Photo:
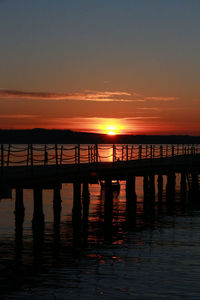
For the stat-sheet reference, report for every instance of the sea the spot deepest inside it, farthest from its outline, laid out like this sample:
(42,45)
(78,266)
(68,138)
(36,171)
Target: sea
(155,257)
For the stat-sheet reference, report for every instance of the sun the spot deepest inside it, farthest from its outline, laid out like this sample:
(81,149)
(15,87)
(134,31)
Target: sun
(111,129)
(111,132)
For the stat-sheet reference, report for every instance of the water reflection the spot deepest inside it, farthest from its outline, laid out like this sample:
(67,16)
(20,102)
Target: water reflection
(110,234)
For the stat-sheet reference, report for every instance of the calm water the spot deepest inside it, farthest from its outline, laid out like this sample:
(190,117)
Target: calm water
(156,257)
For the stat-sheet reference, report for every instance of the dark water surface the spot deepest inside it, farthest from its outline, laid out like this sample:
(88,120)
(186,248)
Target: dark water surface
(157,256)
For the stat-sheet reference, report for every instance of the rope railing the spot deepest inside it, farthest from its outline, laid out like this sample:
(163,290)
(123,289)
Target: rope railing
(31,155)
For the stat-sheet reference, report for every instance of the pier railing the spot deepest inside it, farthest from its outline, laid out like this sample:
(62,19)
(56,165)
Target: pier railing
(31,155)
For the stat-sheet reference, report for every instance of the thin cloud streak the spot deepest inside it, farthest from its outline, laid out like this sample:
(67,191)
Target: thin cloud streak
(87,95)
(84,96)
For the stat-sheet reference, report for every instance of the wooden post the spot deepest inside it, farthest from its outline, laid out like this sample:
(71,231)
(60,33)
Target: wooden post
(89,158)
(19,204)
(122,153)
(161,151)
(131,152)
(108,209)
(45,155)
(183,187)
(78,154)
(140,152)
(57,210)
(146,151)
(114,154)
(2,156)
(75,154)
(127,152)
(151,151)
(177,148)
(97,153)
(31,155)
(56,153)
(172,150)
(61,154)
(160,188)
(27,159)
(167,151)
(38,215)
(8,158)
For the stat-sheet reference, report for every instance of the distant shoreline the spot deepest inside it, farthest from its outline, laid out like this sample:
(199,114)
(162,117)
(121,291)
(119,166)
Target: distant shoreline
(51,136)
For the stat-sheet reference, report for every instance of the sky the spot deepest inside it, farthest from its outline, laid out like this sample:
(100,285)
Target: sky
(106,66)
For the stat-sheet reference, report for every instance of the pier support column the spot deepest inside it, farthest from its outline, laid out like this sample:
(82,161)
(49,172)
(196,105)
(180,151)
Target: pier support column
(149,195)
(145,187)
(183,187)
(76,214)
(131,200)
(57,211)
(160,188)
(194,194)
(38,225)
(38,215)
(86,204)
(152,189)
(19,219)
(170,189)
(108,210)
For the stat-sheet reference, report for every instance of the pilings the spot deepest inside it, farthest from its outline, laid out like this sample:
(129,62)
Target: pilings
(19,220)
(108,209)
(149,194)
(160,188)
(38,215)
(131,201)
(170,189)
(57,213)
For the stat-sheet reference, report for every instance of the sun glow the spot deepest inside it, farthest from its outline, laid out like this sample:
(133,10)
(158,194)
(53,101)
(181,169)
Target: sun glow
(111,132)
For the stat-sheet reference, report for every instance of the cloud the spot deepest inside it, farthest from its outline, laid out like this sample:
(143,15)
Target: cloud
(17,116)
(87,95)
(162,98)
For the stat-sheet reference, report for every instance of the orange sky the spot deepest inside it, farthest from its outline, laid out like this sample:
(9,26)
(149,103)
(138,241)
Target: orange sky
(123,66)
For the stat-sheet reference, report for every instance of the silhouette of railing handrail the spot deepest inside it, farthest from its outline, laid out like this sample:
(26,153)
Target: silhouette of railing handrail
(31,155)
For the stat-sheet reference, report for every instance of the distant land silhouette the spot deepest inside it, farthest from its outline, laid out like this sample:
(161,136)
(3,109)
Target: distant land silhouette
(51,136)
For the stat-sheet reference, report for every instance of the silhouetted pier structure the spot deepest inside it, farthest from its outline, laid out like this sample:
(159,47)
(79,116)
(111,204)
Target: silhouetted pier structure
(40,167)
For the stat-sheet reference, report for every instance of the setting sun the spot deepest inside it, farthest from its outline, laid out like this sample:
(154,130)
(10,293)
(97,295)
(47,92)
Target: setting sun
(111,132)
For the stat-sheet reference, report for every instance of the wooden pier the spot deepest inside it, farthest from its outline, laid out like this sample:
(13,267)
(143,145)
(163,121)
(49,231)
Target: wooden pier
(48,167)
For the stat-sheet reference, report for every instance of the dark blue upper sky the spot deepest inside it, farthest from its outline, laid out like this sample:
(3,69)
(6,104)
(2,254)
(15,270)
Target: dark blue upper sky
(149,47)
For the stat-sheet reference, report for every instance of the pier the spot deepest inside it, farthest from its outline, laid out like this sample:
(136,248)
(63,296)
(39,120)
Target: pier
(40,167)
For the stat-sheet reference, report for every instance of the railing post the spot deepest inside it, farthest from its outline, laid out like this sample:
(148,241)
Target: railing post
(56,153)
(114,154)
(97,153)
(31,155)
(140,152)
(151,151)
(177,148)
(122,153)
(166,150)
(131,152)
(61,154)
(75,154)
(89,158)
(161,151)
(8,158)
(45,155)
(126,152)
(78,154)
(2,156)
(146,151)
(172,150)
(27,159)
